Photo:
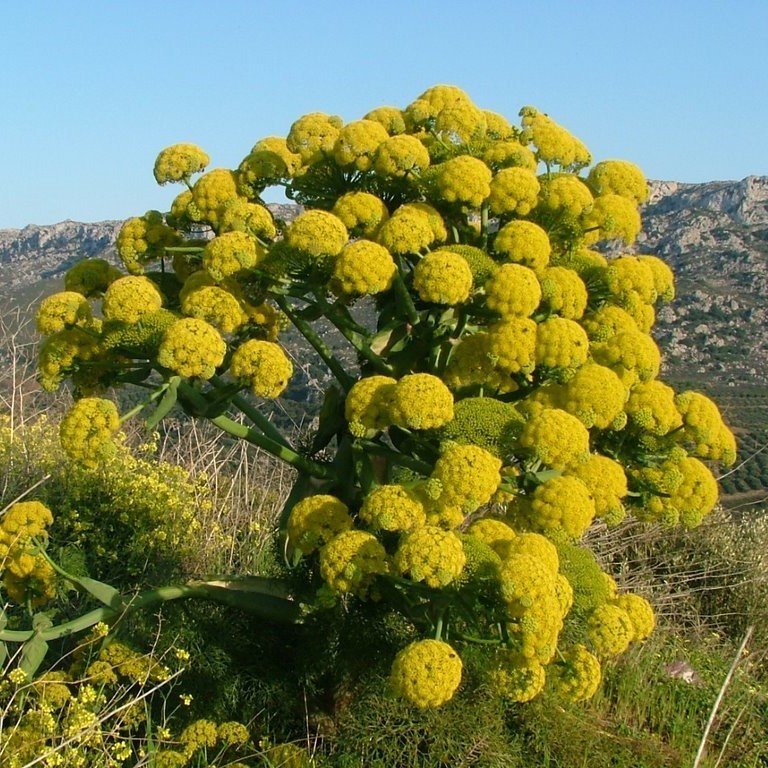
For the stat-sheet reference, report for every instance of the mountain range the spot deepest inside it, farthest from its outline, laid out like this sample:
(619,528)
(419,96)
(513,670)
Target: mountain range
(714,334)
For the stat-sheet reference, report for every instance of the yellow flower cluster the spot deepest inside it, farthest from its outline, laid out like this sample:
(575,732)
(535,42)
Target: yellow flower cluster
(316,520)
(361,213)
(410,229)
(391,118)
(461,123)
(143,239)
(610,630)
(512,345)
(516,678)
(262,366)
(212,191)
(651,408)
(368,404)
(681,491)
(577,675)
(497,534)
(703,426)
(350,562)
(178,162)
(87,431)
(524,243)
(191,347)
(442,277)
(393,508)
(313,135)
(238,215)
(596,396)
(420,401)
(607,482)
(618,177)
(606,322)
(357,143)
(563,292)
(556,438)
(663,277)
(514,191)
(561,503)
(400,157)
(231,254)
(467,475)
(63,310)
(565,195)
(318,234)
(464,180)
(215,306)
(631,354)
(561,343)
(431,555)
(363,268)
(269,162)
(509,154)
(130,298)
(513,291)
(426,673)
(612,217)
(554,144)
(61,353)
(640,613)
(27,575)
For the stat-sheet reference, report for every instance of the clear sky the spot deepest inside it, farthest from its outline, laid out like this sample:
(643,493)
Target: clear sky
(90,91)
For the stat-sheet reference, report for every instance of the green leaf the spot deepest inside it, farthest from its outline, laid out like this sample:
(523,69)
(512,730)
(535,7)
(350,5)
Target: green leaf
(391,334)
(166,403)
(3,619)
(3,654)
(104,593)
(546,474)
(32,655)
(265,597)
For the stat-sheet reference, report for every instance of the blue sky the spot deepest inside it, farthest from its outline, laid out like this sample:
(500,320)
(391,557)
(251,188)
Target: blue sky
(91,91)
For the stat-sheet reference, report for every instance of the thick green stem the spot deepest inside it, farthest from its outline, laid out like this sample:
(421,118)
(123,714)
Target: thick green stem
(255,415)
(158,393)
(353,337)
(269,600)
(484,224)
(322,349)
(288,455)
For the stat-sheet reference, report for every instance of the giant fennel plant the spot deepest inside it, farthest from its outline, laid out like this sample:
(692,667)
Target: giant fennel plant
(504,400)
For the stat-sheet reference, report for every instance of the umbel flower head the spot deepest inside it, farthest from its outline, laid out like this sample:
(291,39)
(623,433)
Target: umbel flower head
(87,431)
(426,673)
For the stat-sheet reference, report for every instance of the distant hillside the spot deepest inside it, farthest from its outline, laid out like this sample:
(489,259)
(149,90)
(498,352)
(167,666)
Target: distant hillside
(714,335)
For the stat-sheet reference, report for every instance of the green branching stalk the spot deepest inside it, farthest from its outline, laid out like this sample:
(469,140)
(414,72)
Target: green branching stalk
(267,598)
(156,395)
(354,337)
(322,349)
(280,451)
(254,414)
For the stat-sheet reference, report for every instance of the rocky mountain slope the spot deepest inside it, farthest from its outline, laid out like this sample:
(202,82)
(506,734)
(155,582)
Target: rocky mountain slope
(714,335)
